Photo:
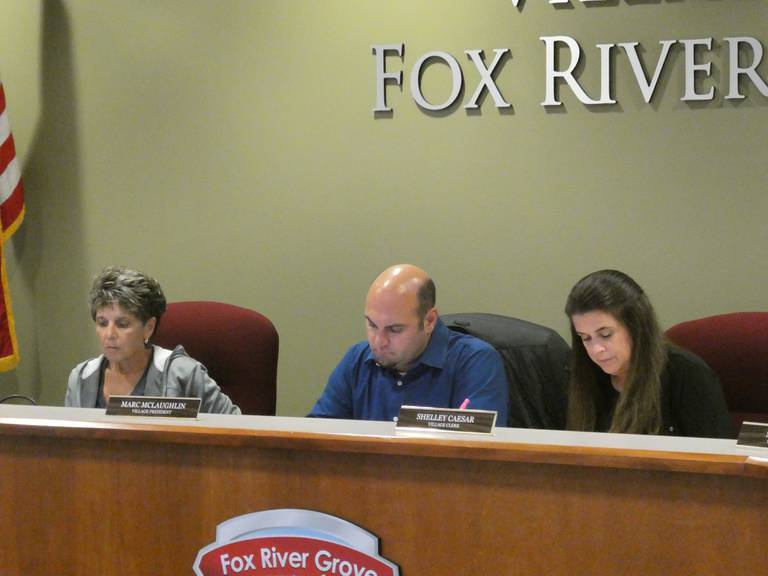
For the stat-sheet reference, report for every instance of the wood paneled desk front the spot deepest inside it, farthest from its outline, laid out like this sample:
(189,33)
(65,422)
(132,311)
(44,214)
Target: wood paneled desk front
(82,493)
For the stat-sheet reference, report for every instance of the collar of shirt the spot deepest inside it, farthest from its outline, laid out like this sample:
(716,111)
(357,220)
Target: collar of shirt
(436,351)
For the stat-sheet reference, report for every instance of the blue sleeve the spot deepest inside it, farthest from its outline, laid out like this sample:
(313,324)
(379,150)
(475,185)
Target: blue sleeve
(483,380)
(336,399)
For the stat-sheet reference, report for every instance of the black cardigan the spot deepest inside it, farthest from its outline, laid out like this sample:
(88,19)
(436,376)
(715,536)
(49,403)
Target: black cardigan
(692,401)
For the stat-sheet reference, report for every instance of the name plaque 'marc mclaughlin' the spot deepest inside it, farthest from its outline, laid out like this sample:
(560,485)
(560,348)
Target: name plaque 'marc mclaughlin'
(292,542)
(153,406)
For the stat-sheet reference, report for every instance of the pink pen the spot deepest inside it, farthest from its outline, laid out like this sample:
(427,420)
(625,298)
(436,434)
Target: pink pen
(464,404)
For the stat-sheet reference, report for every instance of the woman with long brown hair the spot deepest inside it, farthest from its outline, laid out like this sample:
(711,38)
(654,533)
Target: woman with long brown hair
(625,377)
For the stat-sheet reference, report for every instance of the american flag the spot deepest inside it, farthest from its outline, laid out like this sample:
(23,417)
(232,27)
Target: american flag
(11,215)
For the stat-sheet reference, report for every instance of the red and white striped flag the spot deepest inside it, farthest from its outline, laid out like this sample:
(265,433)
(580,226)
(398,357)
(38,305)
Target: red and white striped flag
(11,215)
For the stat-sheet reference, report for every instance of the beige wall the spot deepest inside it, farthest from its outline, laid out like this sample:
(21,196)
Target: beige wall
(229,148)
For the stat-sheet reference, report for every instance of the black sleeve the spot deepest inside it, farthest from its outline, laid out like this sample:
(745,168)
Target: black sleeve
(697,403)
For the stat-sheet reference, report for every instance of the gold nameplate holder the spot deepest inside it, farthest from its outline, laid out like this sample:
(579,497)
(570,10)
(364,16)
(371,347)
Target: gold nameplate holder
(753,434)
(153,406)
(420,420)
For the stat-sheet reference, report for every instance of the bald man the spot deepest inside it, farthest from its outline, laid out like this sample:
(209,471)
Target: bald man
(411,358)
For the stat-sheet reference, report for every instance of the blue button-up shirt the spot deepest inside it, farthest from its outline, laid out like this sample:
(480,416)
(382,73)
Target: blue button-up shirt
(452,368)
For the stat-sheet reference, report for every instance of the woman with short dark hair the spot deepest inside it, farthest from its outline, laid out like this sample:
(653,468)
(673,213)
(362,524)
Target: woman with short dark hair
(625,377)
(126,307)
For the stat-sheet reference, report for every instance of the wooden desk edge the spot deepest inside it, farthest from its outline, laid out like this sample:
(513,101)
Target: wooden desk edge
(699,463)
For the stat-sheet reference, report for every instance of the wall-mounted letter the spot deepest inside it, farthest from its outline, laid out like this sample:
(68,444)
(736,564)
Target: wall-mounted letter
(751,70)
(647,88)
(380,52)
(486,77)
(691,68)
(456,75)
(551,74)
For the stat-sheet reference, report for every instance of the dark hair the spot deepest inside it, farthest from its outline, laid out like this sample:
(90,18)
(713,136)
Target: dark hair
(638,409)
(427,296)
(134,291)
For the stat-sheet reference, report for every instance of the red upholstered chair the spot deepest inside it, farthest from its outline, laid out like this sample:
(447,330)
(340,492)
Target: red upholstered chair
(736,347)
(238,346)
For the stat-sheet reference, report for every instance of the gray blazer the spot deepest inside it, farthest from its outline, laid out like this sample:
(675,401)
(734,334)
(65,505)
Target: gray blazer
(173,373)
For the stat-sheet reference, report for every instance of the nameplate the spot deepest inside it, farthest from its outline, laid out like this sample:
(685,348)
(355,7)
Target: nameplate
(753,434)
(439,420)
(153,406)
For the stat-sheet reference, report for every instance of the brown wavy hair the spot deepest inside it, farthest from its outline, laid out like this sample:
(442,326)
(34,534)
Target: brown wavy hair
(134,291)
